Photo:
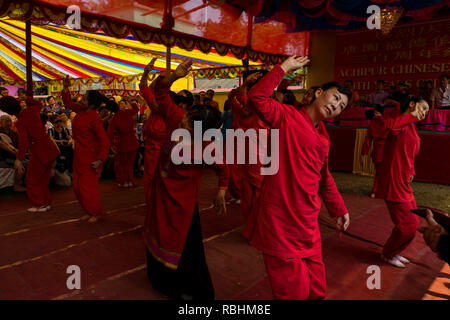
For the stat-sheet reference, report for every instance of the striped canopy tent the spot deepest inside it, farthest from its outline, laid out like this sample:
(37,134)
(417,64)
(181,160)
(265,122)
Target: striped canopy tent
(117,38)
(59,51)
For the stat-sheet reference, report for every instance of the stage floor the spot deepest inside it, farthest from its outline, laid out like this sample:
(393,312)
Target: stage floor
(36,249)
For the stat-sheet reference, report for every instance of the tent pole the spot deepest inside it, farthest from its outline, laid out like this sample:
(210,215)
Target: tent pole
(168,57)
(29,60)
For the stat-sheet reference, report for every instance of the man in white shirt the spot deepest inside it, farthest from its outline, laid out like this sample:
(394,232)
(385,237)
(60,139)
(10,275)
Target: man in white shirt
(440,98)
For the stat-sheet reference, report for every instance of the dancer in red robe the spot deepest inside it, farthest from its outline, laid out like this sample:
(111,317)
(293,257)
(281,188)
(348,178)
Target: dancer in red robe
(251,178)
(90,150)
(176,262)
(396,172)
(43,152)
(287,230)
(122,127)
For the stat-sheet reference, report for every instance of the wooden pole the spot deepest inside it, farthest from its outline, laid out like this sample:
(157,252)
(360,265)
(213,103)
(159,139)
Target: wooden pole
(168,57)
(29,60)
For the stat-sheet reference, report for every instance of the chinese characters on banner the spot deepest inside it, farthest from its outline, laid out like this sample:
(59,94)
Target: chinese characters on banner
(412,54)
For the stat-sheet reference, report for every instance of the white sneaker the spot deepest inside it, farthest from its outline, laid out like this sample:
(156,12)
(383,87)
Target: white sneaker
(372,195)
(39,209)
(393,261)
(126,185)
(44,208)
(402,259)
(238,201)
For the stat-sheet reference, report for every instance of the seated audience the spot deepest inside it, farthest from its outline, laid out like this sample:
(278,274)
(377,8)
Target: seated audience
(9,143)
(440,98)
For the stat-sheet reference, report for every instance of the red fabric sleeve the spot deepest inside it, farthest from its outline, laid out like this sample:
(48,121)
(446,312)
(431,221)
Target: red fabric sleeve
(223,172)
(34,104)
(23,141)
(268,109)
(394,124)
(148,95)
(100,132)
(171,113)
(69,104)
(330,194)
(283,85)
(241,97)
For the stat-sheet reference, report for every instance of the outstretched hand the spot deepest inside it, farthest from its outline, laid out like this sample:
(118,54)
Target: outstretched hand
(220,203)
(343,222)
(293,63)
(183,69)
(149,67)
(432,234)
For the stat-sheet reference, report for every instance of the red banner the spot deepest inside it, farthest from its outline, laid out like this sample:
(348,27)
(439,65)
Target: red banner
(411,53)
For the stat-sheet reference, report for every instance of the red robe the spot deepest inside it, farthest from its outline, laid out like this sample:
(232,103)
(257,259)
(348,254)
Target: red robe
(290,203)
(287,223)
(174,191)
(251,180)
(377,133)
(91,144)
(395,171)
(43,151)
(121,126)
(401,148)
(155,135)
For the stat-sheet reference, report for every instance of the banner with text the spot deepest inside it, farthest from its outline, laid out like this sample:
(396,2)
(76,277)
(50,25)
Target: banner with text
(413,54)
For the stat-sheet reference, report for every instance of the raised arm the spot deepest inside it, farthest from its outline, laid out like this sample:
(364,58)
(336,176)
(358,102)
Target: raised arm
(67,99)
(400,121)
(269,109)
(149,67)
(171,113)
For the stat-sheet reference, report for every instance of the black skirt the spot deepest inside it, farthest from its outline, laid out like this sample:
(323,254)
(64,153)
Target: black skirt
(191,280)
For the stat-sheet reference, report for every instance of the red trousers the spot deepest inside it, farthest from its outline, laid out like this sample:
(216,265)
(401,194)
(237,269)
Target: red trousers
(123,166)
(406,224)
(249,206)
(234,185)
(375,179)
(85,187)
(296,278)
(37,180)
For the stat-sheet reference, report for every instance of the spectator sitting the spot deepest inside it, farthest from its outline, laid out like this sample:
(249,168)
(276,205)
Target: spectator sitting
(440,98)
(9,143)
(52,108)
(3,92)
(61,136)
